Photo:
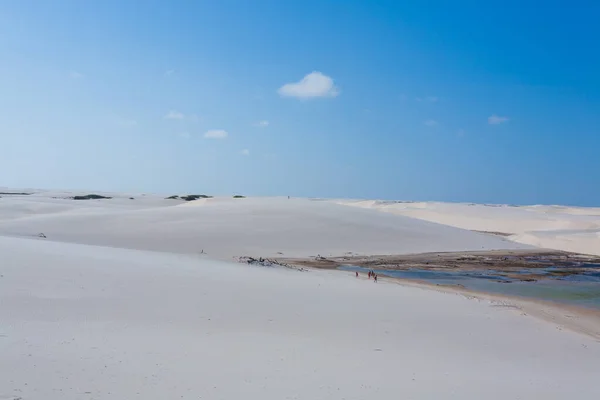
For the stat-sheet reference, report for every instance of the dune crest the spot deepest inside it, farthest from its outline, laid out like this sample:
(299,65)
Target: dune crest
(574,229)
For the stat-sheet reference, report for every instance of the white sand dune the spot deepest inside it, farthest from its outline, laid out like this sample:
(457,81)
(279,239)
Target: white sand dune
(79,321)
(225,228)
(86,322)
(575,229)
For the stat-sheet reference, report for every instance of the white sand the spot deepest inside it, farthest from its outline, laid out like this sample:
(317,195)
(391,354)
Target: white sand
(575,229)
(226,227)
(90,322)
(81,322)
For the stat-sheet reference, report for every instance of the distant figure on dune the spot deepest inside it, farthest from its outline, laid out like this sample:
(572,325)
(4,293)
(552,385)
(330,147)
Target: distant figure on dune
(375,277)
(357,274)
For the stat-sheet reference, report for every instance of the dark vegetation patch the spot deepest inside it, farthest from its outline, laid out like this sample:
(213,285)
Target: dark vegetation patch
(239,196)
(189,197)
(89,197)
(15,194)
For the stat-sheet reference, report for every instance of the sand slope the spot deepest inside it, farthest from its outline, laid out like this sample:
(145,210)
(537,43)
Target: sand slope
(85,322)
(575,229)
(226,227)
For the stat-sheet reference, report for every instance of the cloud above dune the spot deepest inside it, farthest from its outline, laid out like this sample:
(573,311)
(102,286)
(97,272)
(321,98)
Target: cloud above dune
(313,85)
(179,116)
(262,124)
(216,134)
(245,152)
(174,115)
(497,120)
(128,122)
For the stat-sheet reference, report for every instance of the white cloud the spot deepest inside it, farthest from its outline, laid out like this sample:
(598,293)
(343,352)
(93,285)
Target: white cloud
(497,120)
(174,115)
(312,85)
(129,122)
(170,72)
(262,124)
(185,135)
(428,99)
(245,152)
(216,134)
(76,75)
(430,122)
(123,121)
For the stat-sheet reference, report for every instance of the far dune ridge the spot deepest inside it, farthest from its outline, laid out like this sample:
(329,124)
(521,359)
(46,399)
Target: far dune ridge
(233,227)
(574,229)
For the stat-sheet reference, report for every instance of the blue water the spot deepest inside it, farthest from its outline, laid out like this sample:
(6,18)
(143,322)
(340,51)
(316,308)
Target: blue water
(581,289)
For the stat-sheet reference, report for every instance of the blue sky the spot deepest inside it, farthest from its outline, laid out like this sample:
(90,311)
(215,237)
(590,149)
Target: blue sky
(451,101)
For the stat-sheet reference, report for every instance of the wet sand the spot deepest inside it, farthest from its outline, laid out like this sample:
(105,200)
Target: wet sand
(507,263)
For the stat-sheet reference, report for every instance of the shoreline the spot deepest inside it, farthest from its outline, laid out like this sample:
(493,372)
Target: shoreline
(464,260)
(577,318)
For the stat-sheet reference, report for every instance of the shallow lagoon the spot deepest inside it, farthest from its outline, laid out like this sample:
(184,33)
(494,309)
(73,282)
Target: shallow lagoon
(579,289)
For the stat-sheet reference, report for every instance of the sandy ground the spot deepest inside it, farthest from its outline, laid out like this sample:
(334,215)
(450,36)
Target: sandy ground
(80,320)
(574,229)
(102,323)
(224,227)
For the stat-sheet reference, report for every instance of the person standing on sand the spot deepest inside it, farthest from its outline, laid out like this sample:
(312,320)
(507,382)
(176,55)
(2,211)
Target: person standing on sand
(375,277)
(357,274)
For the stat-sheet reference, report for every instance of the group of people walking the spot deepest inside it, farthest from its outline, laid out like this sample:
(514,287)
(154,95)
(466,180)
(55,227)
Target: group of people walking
(371,274)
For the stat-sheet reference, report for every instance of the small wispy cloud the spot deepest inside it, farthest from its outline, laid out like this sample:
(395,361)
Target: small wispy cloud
(245,152)
(121,121)
(185,135)
(128,122)
(216,134)
(428,99)
(174,115)
(497,120)
(76,75)
(315,84)
(430,122)
(262,124)
(170,72)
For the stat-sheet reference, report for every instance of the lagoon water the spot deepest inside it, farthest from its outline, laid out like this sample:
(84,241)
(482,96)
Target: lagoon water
(580,289)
